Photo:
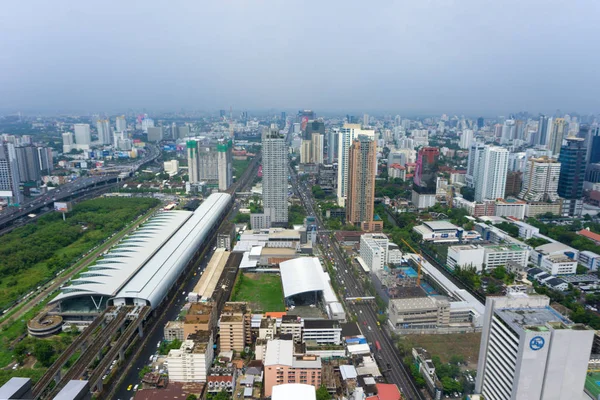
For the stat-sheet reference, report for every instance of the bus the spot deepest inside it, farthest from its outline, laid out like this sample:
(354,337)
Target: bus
(377,345)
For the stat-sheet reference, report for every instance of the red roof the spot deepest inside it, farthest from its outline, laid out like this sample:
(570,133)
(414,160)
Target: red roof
(388,391)
(590,235)
(219,378)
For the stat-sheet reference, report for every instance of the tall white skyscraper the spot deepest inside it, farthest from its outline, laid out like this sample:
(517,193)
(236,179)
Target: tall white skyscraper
(103,127)
(67,138)
(508,131)
(9,174)
(557,131)
(275,175)
(147,123)
(490,175)
(473,163)
(317,148)
(121,124)
(224,163)
(466,138)
(540,180)
(348,133)
(366,121)
(83,135)
(530,351)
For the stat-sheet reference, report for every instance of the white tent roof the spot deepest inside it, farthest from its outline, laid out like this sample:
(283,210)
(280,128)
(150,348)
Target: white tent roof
(301,275)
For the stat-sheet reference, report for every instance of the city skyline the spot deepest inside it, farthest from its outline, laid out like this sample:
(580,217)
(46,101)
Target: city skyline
(416,58)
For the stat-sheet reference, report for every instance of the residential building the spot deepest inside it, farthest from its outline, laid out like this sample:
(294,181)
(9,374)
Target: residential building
(322,332)
(490,178)
(234,324)
(155,134)
(28,163)
(374,250)
(491,256)
(540,181)
(317,145)
(203,161)
(224,164)
(291,325)
(362,164)
(419,312)
(282,366)
(425,178)
(475,151)
(120,124)
(200,317)
(147,123)
(556,133)
(67,139)
(542,131)
(332,145)
(275,176)
(348,133)
(305,152)
(572,175)
(530,351)
(83,136)
(514,180)
(104,134)
(466,138)
(174,330)
(192,361)
(9,174)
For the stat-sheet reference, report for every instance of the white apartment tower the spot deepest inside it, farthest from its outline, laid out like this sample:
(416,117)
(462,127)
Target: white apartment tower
(466,138)
(224,163)
(317,148)
(103,127)
(347,134)
(121,124)
(373,250)
(67,138)
(9,174)
(490,175)
(529,351)
(82,134)
(475,150)
(275,174)
(540,180)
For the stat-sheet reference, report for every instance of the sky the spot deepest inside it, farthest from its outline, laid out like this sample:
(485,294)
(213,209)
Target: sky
(471,57)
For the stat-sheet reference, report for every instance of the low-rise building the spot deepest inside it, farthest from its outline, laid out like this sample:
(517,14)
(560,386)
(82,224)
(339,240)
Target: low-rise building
(510,208)
(439,232)
(291,325)
(174,330)
(419,312)
(589,260)
(322,332)
(491,256)
(200,317)
(191,362)
(559,265)
(540,254)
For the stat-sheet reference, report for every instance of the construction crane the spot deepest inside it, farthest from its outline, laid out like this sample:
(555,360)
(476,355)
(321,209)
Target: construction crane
(419,263)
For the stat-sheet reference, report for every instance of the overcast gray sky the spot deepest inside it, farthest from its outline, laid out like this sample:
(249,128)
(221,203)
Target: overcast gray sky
(419,56)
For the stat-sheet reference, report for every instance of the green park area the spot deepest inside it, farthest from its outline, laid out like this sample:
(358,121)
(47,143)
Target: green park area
(450,347)
(262,291)
(240,166)
(592,383)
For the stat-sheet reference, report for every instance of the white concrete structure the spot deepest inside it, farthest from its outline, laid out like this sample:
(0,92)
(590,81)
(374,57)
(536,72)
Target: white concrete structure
(540,180)
(348,133)
(171,167)
(322,332)
(492,256)
(465,256)
(510,208)
(83,135)
(439,231)
(275,175)
(589,260)
(550,257)
(373,250)
(466,138)
(104,135)
(490,175)
(120,124)
(475,151)
(559,265)
(317,146)
(67,138)
(530,351)
(191,362)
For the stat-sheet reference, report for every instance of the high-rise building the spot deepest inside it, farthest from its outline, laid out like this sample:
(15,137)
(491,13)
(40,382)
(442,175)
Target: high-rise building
(29,163)
(542,132)
(508,131)
(83,136)
(45,159)
(275,175)
(366,121)
(332,145)
(121,124)
(184,132)
(490,176)
(530,351)
(593,145)
(103,127)
(348,133)
(174,131)
(155,134)
(305,150)
(67,138)
(425,179)
(466,138)
(572,174)
(317,148)
(480,123)
(473,162)
(147,123)
(224,163)
(235,327)
(362,167)
(540,181)
(514,180)
(556,135)
(192,154)
(9,174)
(315,126)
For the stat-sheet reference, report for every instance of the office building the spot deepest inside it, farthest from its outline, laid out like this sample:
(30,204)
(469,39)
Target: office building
(593,145)
(542,131)
(282,366)
(322,332)
(376,251)
(492,256)
(315,126)
(9,174)
(425,179)
(275,175)
(508,131)
(305,152)
(422,312)
(530,351)
(572,174)
(348,133)
(332,145)
(147,123)
(466,138)
(235,329)
(490,175)
(480,123)
(83,136)
(514,180)
(67,139)
(556,133)
(120,124)
(317,148)
(540,181)
(475,151)
(224,163)
(362,168)
(155,134)
(104,134)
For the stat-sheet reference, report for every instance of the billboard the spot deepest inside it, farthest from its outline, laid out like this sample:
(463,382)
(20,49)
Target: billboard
(62,207)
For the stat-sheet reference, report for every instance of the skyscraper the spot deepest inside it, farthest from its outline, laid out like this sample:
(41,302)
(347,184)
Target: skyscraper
(480,123)
(530,351)
(362,166)
(540,181)
(542,132)
(29,163)
(490,175)
(275,174)
(315,126)
(67,138)
(305,152)
(473,162)
(556,135)
(508,131)
(366,121)
(192,154)
(120,124)
(593,145)
(9,174)
(348,133)
(224,163)
(103,127)
(332,145)
(425,179)
(83,137)
(572,175)
(466,138)
(317,148)
(155,134)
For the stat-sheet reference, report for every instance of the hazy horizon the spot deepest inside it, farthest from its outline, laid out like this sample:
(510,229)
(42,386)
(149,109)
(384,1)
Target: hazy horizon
(415,58)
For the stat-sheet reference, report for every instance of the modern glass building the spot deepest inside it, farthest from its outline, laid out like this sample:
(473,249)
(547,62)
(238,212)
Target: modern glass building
(572,174)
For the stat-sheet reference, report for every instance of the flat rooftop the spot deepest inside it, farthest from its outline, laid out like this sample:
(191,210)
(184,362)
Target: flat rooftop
(504,247)
(521,319)
(440,225)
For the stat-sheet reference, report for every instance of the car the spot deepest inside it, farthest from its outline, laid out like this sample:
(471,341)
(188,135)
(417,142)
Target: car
(369,328)
(129,387)
(135,387)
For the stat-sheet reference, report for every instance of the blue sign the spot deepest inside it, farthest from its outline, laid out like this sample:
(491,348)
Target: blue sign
(536,343)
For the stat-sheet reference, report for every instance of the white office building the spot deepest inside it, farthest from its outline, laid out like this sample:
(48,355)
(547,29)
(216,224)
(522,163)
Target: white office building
(490,175)
(83,136)
(373,250)
(529,351)
(348,133)
(275,174)
(466,138)
(492,256)
(540,180)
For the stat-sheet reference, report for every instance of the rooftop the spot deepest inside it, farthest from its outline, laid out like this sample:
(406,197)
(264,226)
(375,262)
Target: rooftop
(440,225)
(321,324)
(521,319)
(589,234)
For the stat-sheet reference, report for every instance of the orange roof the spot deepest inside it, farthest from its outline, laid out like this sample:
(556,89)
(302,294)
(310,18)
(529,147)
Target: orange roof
(590,235)
(219,378)
(388,391)
(275,314)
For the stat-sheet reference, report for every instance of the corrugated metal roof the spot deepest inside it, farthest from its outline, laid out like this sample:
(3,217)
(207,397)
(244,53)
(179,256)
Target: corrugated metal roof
(301,275)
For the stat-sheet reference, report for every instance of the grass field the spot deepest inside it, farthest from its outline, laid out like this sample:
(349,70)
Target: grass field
(263,291)
(591,384)
(446,346)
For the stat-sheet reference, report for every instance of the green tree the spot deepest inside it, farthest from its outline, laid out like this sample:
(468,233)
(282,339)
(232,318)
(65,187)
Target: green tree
(322,393)
(191,397)
(44,352)
(146,369)
(20,351)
